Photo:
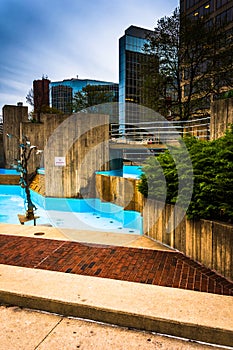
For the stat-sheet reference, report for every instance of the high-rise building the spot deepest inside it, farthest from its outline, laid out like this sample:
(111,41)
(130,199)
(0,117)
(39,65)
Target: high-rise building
(40,94)
(62,92)
(61,98)
(219,12)
(131,59)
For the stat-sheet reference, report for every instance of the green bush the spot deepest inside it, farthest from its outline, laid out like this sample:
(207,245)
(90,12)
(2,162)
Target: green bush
(212,163)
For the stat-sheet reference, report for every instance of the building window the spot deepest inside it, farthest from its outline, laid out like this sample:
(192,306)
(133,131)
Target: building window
(225,17)
(204,10)
(220,3)
(191,3)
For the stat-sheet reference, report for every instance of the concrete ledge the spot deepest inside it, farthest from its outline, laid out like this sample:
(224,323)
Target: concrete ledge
(9,179)
(193,315)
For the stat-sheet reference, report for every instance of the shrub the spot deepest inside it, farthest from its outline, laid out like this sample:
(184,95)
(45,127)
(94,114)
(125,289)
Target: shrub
(212,163)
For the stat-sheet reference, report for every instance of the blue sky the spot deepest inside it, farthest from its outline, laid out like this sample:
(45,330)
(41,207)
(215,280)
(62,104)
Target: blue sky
(66,38)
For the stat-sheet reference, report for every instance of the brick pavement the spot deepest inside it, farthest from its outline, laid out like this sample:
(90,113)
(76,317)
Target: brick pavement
(163,268)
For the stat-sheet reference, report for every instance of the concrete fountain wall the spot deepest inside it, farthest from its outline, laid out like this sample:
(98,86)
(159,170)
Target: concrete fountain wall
(81,140)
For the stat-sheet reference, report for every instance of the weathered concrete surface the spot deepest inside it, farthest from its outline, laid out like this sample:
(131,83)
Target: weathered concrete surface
(96,237)
(221,117)
(24,329)
(9,179)
(12,117)
(193,315)
(206,241)
(120,191)
(82,140)
(1,151)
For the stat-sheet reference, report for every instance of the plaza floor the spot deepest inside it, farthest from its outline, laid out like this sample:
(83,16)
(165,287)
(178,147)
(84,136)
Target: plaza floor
(148,266)
(126,280)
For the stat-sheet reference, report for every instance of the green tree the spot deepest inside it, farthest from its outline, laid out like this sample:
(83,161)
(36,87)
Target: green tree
(212,162)
(160,180)
(35,117)
(213,174)
(194,63)
(167,176)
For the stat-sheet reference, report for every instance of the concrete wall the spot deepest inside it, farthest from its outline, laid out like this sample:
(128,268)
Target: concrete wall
(35,133)
(119,190)
(12,117)
(82,141)
(198,129)
(209,242)
(221,117)
(2,163)
(38,184)
(39,134)
(16,123)
(9,179)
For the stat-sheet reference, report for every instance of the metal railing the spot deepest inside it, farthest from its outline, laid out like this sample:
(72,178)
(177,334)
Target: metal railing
(159,131)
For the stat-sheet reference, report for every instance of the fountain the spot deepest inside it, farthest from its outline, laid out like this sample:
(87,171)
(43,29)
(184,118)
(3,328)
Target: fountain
(26,150)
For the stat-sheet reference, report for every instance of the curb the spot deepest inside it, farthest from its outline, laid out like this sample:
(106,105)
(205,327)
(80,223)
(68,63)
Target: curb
(126,304)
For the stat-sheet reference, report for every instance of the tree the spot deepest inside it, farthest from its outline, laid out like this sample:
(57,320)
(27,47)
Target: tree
(194,64)
(167,177)
(30,98)
(213,174)
(212,162)
(43,109)
(92,95)
(151,83)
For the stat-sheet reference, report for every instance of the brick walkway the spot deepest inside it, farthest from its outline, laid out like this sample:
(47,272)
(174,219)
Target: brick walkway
(163,268)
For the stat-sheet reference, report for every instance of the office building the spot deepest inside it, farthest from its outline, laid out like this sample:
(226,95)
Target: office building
(62,92)
(219,12)
(61,98)
(131,60)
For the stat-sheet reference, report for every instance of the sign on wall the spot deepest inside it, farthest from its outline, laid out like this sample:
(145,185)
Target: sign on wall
(60,161)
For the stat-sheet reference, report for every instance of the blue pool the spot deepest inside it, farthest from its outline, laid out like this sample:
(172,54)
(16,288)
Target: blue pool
(80,214)
(8,172)
(129,171)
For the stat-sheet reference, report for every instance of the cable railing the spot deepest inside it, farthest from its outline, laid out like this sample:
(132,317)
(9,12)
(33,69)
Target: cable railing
(160,131)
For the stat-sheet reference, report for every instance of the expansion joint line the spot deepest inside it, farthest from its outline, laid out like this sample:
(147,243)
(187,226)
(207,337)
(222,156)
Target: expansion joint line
(43,260)
(48,334)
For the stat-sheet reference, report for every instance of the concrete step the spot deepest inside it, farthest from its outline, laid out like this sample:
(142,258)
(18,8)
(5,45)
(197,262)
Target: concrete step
(199,316)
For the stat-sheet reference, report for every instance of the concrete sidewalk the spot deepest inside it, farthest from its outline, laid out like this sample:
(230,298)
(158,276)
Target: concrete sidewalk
(95,237)
(188,314)
(25,329)
(199,316)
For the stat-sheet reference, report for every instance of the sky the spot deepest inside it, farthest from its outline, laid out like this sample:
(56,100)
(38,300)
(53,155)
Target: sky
(63,39)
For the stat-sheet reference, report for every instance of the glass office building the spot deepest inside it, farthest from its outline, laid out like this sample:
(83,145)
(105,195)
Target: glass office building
(61,97)
(131,56)
(62,92)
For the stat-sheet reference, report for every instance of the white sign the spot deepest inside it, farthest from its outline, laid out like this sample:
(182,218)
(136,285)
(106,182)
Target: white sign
(60,161)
